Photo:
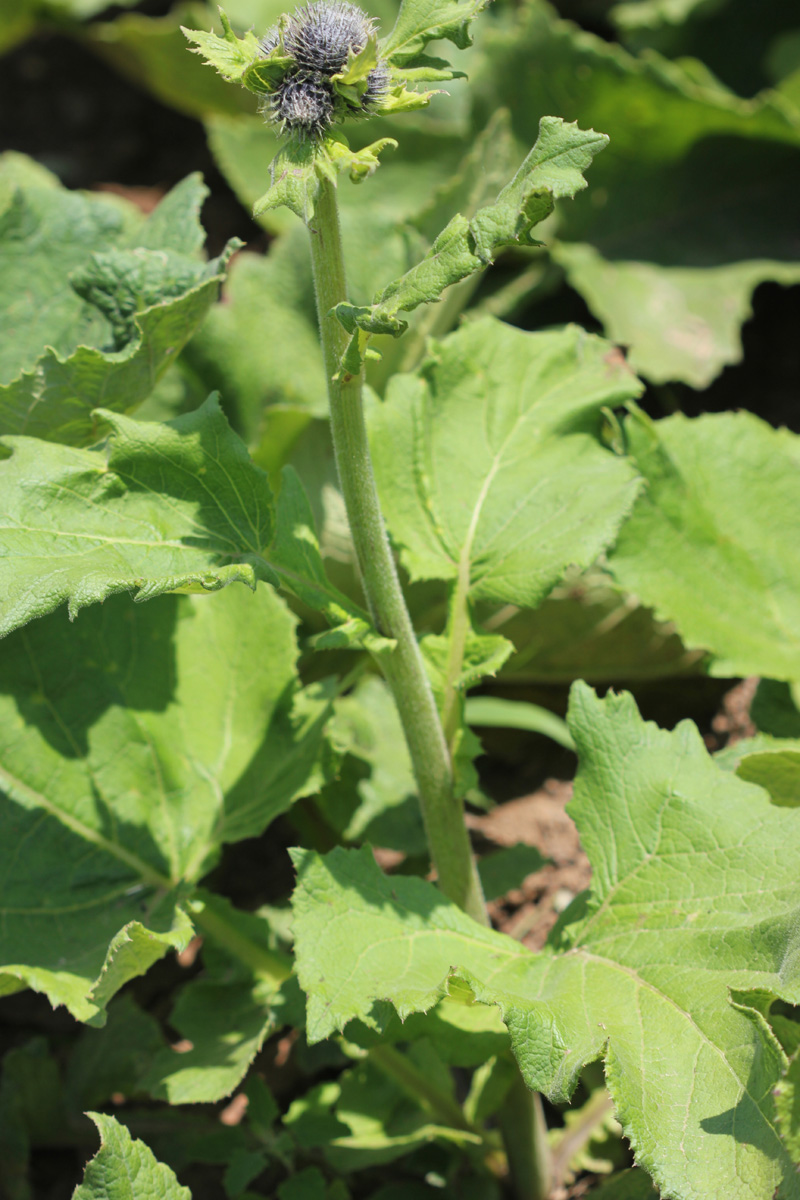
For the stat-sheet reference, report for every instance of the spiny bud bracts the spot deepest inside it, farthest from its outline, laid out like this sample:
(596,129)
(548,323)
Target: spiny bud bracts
(319,38)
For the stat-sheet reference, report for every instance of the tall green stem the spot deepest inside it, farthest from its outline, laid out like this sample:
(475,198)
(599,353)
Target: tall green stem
(403,668)
(524,1132)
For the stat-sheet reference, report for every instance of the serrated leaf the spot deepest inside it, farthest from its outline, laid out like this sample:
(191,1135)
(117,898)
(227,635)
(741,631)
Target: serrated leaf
(487,463)
(125,1169)
(133,745)
(231,56)
(422,21)
(553,169)
(694,906)
(162,508)
(95,303)
(712,550)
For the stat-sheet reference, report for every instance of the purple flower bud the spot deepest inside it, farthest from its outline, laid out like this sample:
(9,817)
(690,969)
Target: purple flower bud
(319,38)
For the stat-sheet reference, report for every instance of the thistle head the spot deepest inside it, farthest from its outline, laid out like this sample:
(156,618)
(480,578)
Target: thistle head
(317,42)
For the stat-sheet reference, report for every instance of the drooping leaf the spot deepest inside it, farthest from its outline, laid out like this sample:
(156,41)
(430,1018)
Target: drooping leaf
(133,745)
(497,712)
(695,178)
(553,170)
(503,870)
(95,303)
(775,708)
(161,508)
(224,1015)
(713,549)
(659,971)
(126,1169)
(681,323)
(374,795)
(487,462)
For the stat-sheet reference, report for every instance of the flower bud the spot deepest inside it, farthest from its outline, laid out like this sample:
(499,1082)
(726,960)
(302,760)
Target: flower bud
(319,39)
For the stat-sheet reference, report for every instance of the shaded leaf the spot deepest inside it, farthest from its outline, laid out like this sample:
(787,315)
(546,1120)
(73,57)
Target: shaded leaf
(681,323)
(504,870)
(695,178)
(131,750)
(95,303)
(787,1104)
(161,508)
(775,708)
(374,796)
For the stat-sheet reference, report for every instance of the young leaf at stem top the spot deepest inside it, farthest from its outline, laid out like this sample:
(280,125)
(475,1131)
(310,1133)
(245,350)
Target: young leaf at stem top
(553,170)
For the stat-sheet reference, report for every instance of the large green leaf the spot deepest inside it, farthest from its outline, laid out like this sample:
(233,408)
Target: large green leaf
(95,303)
(125,1169)
(659,971)
(225,1014)
(489,462)
(694,177)
(711,542)
(680,322)
(133,745)
(162,508)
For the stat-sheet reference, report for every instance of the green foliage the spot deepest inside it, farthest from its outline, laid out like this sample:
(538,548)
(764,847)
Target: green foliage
(636,974)
(114,299)
(165,433)
(704,546)
(124,1169)
(490,424)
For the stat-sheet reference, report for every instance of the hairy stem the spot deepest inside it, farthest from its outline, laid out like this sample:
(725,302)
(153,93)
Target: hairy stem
(403,668)
(524,1132)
